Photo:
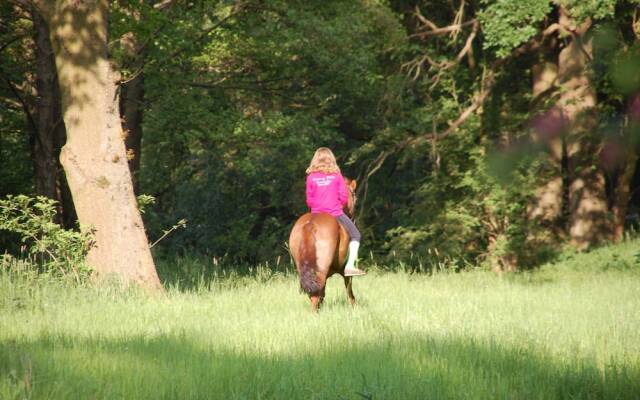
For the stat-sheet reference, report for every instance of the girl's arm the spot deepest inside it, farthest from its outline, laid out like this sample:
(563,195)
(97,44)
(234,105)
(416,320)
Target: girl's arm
(343,193)
(310,192)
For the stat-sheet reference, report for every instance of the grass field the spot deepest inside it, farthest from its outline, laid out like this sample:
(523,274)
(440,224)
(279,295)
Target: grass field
(570,330)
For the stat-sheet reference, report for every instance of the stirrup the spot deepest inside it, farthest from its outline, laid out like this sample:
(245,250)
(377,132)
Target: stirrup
(353,272)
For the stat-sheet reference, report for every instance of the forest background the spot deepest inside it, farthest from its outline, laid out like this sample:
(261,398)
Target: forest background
(490,133)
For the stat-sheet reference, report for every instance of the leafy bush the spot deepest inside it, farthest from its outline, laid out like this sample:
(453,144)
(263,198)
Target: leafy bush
(49,246)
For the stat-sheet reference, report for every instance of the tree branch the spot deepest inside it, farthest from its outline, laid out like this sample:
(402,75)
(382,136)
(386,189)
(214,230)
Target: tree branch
(468,46)
(431,29)
(22,3)
(23,102)
(237,9)
(415,66)
(488,82)
(11,41)
(487,85)
(164,4)
(436,31)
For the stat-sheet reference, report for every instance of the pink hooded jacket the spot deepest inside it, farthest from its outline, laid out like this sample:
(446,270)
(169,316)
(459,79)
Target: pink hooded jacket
(326,193)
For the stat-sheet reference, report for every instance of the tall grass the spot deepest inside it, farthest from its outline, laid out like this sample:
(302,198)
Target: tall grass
(570,330)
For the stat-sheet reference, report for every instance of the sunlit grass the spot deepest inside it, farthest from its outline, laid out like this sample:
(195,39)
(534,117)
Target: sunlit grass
(570,330)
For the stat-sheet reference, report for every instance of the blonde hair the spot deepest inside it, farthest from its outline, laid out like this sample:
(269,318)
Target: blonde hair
(323,161)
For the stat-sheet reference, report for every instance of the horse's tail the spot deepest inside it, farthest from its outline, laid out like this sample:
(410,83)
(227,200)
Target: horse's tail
(308,261)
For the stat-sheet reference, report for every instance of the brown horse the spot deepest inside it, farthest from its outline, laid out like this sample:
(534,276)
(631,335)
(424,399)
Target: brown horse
(318,244)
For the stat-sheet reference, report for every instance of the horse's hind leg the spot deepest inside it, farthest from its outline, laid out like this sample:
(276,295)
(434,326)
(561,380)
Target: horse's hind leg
(348,283)
(316,302)
(318,298)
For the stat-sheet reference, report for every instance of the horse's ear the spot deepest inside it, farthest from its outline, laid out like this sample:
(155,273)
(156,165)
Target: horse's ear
(353,184)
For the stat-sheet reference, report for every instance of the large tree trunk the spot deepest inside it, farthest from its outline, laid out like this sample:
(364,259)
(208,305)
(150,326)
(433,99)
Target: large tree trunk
(622,194)
(548,130)
(47,112)
(589,221)
(94,157)
(623,157)
(49,134)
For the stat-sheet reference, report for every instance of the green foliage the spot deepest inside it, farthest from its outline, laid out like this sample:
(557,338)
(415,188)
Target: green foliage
(16,172)
(486,219)
(144,200)
(227,142)
(506,24)
(620,258)
(624,70)
(47,245)
(239,94)
(14,152)
(593,9)
(465,196)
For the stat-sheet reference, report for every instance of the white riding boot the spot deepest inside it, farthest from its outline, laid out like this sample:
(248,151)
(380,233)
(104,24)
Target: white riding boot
(350,268)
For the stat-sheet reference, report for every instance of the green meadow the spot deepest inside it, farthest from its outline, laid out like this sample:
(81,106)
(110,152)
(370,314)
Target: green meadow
(570,330)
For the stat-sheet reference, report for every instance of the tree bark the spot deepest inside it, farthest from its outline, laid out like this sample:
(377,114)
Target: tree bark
(589,221)
(623,194)
(548,130)
(94,157)
(47,112)
(49,132)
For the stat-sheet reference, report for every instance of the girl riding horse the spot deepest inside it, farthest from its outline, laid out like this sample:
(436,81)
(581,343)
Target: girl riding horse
(327,193)
(319,240)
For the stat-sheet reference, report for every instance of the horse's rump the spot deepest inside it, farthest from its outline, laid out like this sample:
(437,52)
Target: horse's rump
(313,242)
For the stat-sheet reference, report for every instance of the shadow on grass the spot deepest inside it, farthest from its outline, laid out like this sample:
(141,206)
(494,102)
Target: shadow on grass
(400,367)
